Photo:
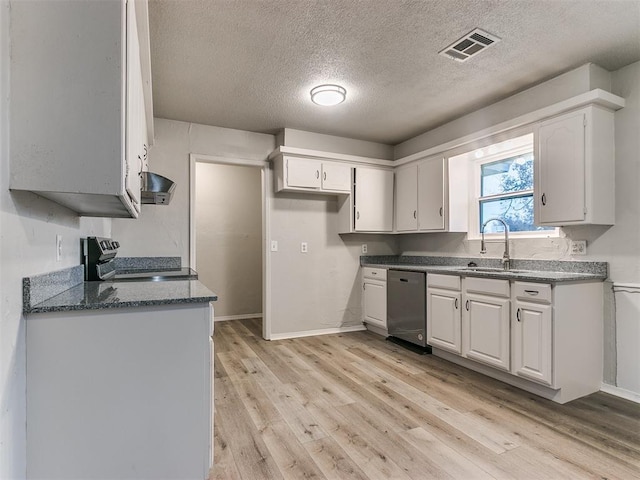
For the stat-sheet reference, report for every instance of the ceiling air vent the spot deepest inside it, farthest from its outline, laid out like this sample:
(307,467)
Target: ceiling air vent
(470,45)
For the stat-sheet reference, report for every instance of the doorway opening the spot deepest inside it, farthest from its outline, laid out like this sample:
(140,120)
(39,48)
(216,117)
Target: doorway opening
(228,222)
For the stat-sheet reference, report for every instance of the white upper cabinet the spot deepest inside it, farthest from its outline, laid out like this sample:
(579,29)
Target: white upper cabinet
(431,190)
(373,207)
(432,196)
(336,177)
(76,107)
(303,173)
(370,207)
(300,174)
(574,179)
(406,206)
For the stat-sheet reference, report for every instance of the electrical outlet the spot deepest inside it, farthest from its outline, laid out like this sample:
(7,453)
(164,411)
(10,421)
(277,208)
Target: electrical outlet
(364,248)
(578,247)
(274,245)
(304,248)
(58,247)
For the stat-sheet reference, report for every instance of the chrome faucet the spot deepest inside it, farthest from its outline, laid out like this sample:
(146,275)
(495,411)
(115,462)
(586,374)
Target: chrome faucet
(506,261)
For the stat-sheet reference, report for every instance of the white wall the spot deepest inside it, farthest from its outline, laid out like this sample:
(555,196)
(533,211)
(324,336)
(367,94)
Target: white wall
(312,292)
(618,245)
(163,230)
(28,228)
(329,143)
(228,214)
(319,289)
(570,84)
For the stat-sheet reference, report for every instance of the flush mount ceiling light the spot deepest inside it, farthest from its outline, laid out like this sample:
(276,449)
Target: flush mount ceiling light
(328,95)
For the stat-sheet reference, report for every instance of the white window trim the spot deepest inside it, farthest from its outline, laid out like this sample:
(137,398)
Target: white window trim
(474,199)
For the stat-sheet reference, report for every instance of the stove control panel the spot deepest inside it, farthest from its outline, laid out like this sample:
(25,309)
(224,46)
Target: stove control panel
(98,253)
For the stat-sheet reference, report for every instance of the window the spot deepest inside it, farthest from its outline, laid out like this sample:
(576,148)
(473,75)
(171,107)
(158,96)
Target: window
(503,188)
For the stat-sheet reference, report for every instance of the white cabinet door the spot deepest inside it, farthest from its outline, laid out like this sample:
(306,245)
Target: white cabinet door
(374,303)
(431,204)
(336,177)
(532,342)
(486,329)
(444,320)
(406,207)
(135,111)
(303,172)
(560,168)
(373,200)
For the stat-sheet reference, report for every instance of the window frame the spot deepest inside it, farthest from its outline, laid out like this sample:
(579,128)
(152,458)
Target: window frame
(475,187)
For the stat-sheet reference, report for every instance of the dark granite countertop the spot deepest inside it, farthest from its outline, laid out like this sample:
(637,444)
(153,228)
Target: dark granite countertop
(104,295)
(549,271)
(65,290)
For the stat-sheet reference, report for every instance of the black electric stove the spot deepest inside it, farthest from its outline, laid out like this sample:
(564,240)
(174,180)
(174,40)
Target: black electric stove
(98,258)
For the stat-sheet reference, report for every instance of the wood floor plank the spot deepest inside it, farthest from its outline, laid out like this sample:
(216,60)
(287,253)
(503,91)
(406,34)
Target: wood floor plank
(224,464)
(252,458)
(373,461)
(492,438)
(333,460)
(411,460)
(268,353)
(456,464)
(292,459)
(389,413)
(282,396)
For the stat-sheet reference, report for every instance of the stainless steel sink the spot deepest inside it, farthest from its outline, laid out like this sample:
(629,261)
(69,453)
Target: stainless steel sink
(492,270)
(484,269)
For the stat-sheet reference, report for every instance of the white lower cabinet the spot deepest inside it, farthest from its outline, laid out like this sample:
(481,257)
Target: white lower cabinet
(443,312)
(532,338)
(120,393)
(546,339)
(485,321)
(374,297)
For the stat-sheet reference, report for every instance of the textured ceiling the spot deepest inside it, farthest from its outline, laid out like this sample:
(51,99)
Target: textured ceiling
(250,64)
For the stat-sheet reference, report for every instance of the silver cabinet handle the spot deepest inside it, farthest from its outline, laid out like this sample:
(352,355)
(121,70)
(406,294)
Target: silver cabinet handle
(364,286)
(374,273)
(357,215)
(440,211)
(456,304)
(544,199)
(466,305)
(415,214)
(325,175)
(518,315)
(317,173)
(532,292)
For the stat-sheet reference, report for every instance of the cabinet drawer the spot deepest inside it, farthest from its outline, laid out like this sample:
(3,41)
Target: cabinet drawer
(535,292)
(374,273)
(450,282)
(487,286)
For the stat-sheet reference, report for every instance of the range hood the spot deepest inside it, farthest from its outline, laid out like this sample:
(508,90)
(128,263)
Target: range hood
(156,189)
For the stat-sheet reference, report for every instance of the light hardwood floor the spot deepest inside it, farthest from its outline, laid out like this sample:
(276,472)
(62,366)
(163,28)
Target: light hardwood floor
(352,406)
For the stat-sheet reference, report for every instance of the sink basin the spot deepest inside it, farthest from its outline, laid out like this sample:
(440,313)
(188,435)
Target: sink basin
(491,270)
(484,269)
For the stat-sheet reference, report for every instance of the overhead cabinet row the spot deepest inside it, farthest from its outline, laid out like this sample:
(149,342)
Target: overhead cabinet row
(81,117)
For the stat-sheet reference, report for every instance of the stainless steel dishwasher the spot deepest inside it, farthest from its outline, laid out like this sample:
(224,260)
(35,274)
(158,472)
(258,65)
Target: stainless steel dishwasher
(406,308)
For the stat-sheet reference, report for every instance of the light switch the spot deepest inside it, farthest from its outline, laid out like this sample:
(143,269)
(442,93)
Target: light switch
(274,245)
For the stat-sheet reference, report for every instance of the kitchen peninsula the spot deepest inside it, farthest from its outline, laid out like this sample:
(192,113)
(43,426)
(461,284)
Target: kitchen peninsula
(118,377)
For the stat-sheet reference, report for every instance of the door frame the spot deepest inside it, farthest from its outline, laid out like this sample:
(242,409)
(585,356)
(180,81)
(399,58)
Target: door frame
(266,182)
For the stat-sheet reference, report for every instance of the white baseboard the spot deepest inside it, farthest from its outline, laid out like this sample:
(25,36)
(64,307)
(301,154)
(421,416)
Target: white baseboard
(313,333)
(621,392)
(236,317)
